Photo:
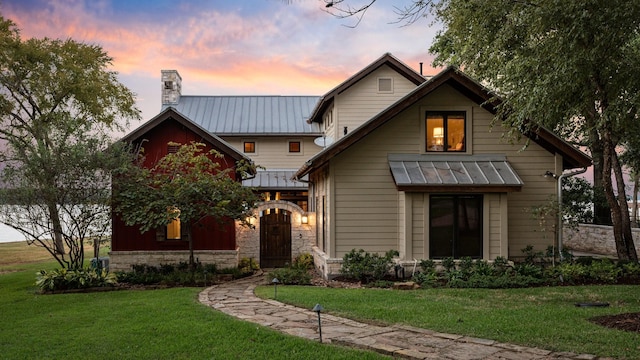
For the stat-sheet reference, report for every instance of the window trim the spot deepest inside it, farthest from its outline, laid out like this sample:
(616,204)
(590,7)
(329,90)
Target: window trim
(293,153)
(468,128)
(255,146)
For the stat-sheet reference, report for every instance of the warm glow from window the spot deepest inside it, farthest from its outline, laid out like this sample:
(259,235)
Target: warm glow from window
(445,131)
(250,147)
(294,146)
(173,228)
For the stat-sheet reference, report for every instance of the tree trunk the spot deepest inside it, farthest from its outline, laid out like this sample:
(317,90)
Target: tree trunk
(192,263)
(627,234)
(54,216)
(634,209)
(625,248)
(601,208)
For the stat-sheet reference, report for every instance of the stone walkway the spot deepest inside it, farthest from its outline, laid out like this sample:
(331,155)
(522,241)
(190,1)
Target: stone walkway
(237,299)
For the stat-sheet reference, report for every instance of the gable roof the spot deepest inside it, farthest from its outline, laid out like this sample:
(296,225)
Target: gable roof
(250,115)
(572,158)
(171,113)
(387,59)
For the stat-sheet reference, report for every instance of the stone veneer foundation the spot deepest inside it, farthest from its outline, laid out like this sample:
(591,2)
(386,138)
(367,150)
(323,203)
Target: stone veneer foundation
(124,260)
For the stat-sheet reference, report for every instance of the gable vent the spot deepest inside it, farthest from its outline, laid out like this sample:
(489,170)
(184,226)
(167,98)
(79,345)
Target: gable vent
(385,85)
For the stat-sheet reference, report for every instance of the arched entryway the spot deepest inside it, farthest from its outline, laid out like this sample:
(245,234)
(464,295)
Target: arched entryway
(275,238)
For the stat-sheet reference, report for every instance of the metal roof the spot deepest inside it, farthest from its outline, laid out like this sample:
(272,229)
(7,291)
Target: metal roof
(449,172)
(275,179)
(250,115)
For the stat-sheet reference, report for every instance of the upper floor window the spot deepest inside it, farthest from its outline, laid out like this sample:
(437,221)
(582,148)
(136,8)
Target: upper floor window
(249,147)
(446,131)
(294,147)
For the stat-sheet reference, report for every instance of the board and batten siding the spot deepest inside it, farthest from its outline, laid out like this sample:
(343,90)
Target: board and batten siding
(362,101)
(273,152)
(367,212)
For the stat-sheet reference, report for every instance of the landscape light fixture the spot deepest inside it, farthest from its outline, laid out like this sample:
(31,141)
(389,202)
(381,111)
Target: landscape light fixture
(275,283)
(318,309)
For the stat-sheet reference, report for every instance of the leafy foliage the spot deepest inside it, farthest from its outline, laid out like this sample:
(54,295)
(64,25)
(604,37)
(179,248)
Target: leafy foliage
(189,185)
(64,279)
(367,267)
(59,104)
(298,273)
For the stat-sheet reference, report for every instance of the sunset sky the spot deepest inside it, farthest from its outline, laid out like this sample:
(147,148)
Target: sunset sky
(223,47)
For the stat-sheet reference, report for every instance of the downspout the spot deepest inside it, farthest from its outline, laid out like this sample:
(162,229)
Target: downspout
(562,176)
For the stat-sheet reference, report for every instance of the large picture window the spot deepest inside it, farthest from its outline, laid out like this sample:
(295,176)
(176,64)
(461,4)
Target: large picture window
(455,226)
(445,131)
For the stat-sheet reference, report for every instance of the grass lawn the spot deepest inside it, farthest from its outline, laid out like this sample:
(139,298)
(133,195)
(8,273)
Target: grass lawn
(152,324)
(544,317)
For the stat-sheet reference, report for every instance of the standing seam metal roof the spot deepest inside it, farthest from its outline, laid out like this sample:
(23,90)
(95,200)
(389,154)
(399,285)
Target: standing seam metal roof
(411,170)
(250,115)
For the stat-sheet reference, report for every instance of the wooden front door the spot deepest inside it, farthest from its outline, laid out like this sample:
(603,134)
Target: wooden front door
(275,238)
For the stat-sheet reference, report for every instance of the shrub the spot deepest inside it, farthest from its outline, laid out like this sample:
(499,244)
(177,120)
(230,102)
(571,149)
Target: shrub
(366,267)
(248,266)
(604,271)
(291,276)
(427,279)
(63,279)
(304,261)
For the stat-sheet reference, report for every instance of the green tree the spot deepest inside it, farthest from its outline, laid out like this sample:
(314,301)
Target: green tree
(188,185)
(59,104)
(555,65)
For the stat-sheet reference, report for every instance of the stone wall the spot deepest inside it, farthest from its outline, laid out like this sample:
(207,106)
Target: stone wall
(123,260)
(596,239)
(328,267)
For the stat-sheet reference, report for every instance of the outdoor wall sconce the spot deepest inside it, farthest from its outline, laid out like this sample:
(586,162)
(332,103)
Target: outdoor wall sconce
(275,283)
(304,219)
(550,174)
(318,309)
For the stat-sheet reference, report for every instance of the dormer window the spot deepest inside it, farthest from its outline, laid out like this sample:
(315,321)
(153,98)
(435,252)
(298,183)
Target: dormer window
(445,131)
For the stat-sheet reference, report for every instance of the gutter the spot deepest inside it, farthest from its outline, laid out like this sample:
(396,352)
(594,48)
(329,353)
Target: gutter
(562,176)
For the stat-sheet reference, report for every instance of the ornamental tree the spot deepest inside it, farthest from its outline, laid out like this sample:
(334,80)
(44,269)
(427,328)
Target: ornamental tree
(188,185)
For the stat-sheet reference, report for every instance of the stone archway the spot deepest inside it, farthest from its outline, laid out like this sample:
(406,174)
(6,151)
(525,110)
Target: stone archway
(302,235)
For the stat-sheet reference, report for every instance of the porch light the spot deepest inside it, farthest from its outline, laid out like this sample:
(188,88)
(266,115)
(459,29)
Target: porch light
(318,309)
(304,219)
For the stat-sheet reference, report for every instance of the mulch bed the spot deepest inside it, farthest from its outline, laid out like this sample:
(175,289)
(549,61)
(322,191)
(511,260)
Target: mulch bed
(626,322)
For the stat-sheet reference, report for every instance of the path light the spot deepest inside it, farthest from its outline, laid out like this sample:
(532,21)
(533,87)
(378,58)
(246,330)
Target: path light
(275,283)
(318,309)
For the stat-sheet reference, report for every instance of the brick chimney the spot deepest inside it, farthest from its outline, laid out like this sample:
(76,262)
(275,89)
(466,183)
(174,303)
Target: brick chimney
(171,87)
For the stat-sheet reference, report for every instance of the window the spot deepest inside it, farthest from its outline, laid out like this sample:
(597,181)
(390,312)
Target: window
(173,228)
(445,131)
(455,226)
(250,147)
(294,146)
(385,85)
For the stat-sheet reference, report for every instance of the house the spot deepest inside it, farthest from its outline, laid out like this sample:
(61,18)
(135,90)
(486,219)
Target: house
(273,131)
(388,159)
(431,177)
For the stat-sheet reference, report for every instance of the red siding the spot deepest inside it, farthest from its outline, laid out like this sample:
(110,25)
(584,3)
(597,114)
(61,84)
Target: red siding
(207,235)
